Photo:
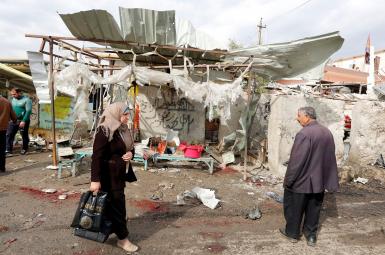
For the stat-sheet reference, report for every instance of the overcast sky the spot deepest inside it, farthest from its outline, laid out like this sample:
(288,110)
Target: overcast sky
(223,19)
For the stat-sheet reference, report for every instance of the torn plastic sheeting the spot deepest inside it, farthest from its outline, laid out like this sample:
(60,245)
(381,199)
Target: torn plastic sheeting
(361,180)
(206,196)
(39,76)
(284,60)
(67,81)
(237,139)
(187,35)
(145,75)
(209,93)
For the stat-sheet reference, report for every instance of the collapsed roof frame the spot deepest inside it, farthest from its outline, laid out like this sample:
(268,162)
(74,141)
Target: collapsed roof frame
(62,42)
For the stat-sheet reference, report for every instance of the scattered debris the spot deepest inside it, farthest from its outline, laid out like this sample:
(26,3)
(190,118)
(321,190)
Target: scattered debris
(275,196)
(82,183)
(186,195)
(51,167)
(207,197)
(175,170)
(30,161)
(361,180)
(228,158)
(34,222)
(62,197)
(166,185)
(250,193)
(9,241)
(40,194)
(158,195)
(254,214)
(49,191)
(380,161)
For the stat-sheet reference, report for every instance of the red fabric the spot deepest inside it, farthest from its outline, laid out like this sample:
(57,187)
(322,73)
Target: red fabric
(348,122)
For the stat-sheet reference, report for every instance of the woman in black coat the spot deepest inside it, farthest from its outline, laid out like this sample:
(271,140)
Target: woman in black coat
(112,151)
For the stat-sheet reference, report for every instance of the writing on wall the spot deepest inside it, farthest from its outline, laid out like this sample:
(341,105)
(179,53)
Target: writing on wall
(164,108)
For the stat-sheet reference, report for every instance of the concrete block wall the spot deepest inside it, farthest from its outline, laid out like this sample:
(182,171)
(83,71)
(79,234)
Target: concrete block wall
(283,127)
(367,136)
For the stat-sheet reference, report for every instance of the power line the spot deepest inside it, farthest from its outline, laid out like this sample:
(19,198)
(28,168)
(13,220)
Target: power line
(289,11)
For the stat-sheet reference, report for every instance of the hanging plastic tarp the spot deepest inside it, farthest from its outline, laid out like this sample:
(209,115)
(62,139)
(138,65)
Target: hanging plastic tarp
(69,79)
(39,76)
(187,35)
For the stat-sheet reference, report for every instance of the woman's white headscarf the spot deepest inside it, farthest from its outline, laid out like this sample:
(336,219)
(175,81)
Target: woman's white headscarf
(110,122)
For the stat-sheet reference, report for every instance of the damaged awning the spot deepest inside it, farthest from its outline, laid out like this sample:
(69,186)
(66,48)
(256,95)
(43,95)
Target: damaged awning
(284,60)
(137,25)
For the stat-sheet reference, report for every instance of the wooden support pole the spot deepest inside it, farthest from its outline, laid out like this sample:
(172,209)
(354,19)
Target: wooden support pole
(52,94)
(247,112)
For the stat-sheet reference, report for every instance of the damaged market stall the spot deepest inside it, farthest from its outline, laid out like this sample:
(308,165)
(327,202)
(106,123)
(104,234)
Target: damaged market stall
(174,50)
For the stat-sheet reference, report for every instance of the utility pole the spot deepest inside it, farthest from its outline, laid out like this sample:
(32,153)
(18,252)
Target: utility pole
(260,27)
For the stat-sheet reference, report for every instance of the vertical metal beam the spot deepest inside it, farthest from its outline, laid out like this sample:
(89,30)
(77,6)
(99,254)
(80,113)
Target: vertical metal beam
(52,94)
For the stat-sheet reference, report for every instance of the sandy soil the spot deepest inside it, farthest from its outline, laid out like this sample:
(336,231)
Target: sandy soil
(32,222)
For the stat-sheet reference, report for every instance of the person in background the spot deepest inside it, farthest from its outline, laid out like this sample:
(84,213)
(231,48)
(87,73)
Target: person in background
(6,114)
(311,171)
(22,106)
(113,149)
(347,127)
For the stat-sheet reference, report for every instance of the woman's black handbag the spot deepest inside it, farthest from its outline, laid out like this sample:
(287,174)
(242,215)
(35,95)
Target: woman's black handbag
(89,221)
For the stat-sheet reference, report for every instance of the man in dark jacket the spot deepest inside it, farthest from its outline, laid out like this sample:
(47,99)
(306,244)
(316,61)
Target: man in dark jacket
(6,114)
(312,169)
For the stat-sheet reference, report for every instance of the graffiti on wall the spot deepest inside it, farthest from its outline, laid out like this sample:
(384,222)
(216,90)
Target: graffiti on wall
(175,112)
(167,110)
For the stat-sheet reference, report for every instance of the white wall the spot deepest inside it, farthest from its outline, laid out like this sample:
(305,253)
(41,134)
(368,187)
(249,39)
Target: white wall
(359,62)
(283,127)
(368,132)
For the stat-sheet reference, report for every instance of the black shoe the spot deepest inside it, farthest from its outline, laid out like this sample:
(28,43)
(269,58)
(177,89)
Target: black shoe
(23,152)
(291,239)
(311,240)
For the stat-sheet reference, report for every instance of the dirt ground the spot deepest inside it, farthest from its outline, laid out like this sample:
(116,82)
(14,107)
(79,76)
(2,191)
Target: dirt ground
(33,222)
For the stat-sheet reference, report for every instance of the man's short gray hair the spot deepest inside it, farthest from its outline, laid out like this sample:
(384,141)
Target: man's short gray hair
(308,111)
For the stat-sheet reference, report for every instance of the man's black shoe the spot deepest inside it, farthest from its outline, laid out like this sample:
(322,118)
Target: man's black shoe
(311,240)
(291,239)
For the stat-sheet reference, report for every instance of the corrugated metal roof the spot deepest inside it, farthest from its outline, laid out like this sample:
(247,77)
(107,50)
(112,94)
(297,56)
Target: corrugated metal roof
(148,26)
(137,25)
(284,60)
(93,24)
